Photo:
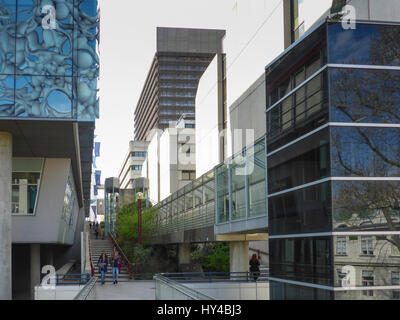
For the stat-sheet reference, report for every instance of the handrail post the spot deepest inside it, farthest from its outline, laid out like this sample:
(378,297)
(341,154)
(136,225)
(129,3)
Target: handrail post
(126,261)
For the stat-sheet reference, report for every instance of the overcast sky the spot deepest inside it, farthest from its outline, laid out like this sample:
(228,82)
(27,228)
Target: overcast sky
(128,44)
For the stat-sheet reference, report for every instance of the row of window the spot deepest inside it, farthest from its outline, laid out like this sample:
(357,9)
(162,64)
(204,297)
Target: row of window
(176,85)
(183,59)
(179,76)
(139,154)
(367,246)
(182,67)
(136,168)
(183,103)
(368,280)
(182,94)
(172,112)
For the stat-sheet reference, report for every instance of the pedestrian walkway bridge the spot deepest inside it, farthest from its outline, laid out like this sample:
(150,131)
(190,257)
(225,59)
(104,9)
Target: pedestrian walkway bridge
(228,201)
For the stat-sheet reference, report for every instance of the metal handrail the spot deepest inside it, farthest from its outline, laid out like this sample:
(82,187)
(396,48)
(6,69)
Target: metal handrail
(72,279)
(91,261)
(188,292)
(84,293)
(122,254)
(216,276)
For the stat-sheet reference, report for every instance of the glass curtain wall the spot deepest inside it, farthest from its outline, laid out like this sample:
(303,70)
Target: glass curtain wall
(50,66)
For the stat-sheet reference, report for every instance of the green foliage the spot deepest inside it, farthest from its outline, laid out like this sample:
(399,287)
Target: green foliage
(213,257)
(127,231)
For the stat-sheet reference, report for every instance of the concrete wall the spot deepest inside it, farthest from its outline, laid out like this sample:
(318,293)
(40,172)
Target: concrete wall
(248,112)
(207,132)
(377,10)
(153,168)
(166,156)
(44,226)
(189,40)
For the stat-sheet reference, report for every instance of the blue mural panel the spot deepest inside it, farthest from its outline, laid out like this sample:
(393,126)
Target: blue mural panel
(49,64)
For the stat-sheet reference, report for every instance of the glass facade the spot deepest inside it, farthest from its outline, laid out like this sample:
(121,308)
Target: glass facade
(50,63)
(334,213)
(26,175)
(239,189)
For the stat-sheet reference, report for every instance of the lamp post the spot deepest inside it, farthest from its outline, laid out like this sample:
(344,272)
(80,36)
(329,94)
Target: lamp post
(139,197)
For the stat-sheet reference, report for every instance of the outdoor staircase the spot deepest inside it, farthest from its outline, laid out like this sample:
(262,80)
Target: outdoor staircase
(97,246)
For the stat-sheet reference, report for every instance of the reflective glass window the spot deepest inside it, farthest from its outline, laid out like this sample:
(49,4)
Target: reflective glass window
(366,205)
(301,259)
(365,152)
(304,210)
(257,183)
(366,44)
(222,173)
(365,96)
(306,161)
(238,192)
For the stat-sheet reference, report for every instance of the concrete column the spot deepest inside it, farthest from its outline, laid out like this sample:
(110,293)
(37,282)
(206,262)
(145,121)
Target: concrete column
(35,268)
(239,256)
(5,215)
(184,253)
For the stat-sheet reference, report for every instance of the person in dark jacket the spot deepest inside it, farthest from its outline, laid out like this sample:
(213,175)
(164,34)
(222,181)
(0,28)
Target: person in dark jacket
(103,263)
(254,267)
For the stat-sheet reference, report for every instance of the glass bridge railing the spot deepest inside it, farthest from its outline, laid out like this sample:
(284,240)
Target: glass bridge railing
(233,190)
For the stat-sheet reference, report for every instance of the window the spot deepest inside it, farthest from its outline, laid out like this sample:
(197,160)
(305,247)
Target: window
(301,163)
(396,282)
(367,246)
(341,246)
(189,125)
(139,154)
(25,185)
(137,168)
(188,175)
(303,210)
(340,277)
(367,281)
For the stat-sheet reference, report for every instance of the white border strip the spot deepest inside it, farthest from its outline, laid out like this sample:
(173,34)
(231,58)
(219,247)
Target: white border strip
(335,233)
(349,179)
(357,124)
(326,125)
(300,187)
(362,66)
(329,288)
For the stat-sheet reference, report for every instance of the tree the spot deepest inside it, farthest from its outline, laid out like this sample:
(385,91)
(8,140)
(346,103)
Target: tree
(213,257)
(127,230)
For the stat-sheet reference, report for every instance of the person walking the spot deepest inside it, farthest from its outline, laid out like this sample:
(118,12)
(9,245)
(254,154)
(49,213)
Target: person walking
(254,267)
(115,269)
(96,231)
(102,264)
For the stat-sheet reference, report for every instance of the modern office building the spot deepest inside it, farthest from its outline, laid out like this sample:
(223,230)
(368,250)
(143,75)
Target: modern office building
(171,160)
(170,88)
(133,164)
(48,107)
(333,137)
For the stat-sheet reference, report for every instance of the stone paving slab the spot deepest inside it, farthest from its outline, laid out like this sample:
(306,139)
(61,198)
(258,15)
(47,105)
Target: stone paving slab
(131,290)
